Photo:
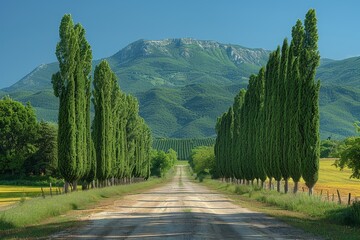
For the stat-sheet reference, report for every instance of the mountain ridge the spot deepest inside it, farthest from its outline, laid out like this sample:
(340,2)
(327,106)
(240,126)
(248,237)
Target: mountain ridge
(184,84)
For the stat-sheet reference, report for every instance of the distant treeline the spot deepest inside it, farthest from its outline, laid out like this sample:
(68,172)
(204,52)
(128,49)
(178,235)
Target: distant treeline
(183,147)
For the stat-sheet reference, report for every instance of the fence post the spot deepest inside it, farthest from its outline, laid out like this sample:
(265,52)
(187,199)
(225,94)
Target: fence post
(50,190)
(42,191)
(349,200)
(338,193)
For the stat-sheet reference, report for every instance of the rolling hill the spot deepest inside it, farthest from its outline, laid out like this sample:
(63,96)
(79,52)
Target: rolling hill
(183,85)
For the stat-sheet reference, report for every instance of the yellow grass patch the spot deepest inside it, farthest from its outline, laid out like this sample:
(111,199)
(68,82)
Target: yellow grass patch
(332,179)
(18,189)
(12,194)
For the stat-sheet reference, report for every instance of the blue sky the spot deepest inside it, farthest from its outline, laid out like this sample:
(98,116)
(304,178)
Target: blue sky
(29,29)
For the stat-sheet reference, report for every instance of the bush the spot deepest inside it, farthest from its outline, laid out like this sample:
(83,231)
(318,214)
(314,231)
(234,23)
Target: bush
(352,215)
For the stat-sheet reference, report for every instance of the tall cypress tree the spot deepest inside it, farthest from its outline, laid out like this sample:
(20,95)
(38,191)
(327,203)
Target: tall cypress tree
(309,61)
(104,84)
(282,114)
(74,56)
(266,135)
(248,140)
(292,105)
(259,131)
(220,145)
(229,127)
(237,158)
(131,135)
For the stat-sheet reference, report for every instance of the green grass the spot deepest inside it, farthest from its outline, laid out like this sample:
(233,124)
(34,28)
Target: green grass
(309,213)
(182,162)
(36,210)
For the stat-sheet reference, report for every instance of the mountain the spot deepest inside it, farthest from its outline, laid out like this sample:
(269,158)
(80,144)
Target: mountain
(341,72)
(183,85)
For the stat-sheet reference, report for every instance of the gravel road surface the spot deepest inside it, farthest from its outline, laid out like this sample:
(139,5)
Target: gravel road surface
(180,209)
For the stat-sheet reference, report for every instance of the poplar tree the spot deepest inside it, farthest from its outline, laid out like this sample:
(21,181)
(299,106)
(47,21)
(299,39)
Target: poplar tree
(248,140)
(132,128)
(70,85)
(293,141)
(258,119)
(220,147)
(237,157)
(309,61)
(229,127)
(104,84)
(282,114)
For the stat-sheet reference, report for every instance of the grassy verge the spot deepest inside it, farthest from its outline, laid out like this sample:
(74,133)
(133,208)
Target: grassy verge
(309,213)
(182,162)
(40,217)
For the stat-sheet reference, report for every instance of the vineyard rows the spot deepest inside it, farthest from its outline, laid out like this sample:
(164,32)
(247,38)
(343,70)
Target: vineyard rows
(183,147)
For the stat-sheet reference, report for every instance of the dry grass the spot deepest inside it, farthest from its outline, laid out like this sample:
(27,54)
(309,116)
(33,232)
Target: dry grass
(12,194)
(332,179)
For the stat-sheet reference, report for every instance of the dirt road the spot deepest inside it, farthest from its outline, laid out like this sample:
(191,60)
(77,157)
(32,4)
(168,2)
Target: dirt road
(181,210)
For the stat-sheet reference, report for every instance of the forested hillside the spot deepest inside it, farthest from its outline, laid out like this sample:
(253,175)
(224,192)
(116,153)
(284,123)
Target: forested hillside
(186,84)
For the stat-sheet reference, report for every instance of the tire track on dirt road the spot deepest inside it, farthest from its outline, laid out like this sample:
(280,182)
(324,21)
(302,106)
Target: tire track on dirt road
(181,209)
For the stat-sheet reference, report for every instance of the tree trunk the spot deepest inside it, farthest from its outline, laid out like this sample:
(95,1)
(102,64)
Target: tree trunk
(84,185)
(311,191)
(296,187)
(270,180)
(278,186)
(74,186)
(66,187)
(286,186)
(262,184)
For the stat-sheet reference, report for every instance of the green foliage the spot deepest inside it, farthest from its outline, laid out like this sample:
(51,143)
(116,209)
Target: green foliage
(309,103)
(18,128)
(328,148)
(352,215)
(274,130)
(44,161)
(350,155)
(202,160)
(71,85)
(182,147)
(104,85)
(162,162)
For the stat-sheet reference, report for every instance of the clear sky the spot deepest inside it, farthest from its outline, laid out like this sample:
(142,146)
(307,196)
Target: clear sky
(29,29)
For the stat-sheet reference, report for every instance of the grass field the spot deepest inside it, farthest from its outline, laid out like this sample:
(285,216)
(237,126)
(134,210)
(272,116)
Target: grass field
(332,179)
(12,194)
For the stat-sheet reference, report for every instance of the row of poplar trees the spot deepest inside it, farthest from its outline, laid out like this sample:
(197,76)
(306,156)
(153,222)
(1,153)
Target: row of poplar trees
(272,129)
(117,143)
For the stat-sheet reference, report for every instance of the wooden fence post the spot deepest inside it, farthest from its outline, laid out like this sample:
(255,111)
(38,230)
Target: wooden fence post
(338,193)
(50,190)
(349,200)
(42,191)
